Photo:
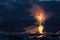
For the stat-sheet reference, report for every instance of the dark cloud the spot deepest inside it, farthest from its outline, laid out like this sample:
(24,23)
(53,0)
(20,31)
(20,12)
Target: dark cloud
(48,0)
(15,17)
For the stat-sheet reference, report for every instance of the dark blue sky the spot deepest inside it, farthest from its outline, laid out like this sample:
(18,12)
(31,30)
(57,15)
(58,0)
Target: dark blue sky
(14,17)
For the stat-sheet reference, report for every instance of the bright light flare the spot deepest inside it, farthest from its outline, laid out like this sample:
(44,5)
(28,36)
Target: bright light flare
(40,17)
(40,29)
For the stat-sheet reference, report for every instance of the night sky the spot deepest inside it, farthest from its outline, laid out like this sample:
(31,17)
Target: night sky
(14,15)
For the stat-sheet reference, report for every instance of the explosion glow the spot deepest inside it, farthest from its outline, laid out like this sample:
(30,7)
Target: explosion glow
(40,16)
(40,29)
